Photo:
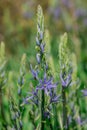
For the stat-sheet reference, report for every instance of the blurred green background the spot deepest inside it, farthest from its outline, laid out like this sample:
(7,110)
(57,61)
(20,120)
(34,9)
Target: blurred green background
(18,26)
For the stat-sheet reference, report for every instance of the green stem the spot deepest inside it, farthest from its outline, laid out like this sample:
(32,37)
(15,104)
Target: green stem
(50,123)
(4,123)
(42,111)
(56,124)
(65,118)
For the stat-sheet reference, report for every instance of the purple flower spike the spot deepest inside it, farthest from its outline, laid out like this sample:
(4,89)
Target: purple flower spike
(84,92)
(65,82)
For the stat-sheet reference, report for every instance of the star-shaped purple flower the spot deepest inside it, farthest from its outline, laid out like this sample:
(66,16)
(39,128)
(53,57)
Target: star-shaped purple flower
(46,84)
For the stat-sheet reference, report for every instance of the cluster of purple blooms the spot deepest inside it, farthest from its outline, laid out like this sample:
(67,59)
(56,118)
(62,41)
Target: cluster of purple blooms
(45,83)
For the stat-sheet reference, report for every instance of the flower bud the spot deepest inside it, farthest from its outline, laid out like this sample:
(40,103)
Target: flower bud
(38,58)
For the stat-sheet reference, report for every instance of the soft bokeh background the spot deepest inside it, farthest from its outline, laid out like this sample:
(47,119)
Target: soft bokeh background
(18,29)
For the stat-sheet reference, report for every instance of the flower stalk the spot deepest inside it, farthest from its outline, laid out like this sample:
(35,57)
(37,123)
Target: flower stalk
(65,118)
(65,77)
(3,81)
(42,111)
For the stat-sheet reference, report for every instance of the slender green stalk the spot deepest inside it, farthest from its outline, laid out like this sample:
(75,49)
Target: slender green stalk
(2,83)
(4,122)
(32,117)
(51,126)
(65,117)
(42,111)
(55,117)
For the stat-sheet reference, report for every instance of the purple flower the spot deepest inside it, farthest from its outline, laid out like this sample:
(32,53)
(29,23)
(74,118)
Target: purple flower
(67,3)
(34,73)
(81,13)
(28,15)
(80,121)
(33,98)
(54,99)
(84,92)
(46,84)
(42,47)
(41,35)
(56,12)
(65,82)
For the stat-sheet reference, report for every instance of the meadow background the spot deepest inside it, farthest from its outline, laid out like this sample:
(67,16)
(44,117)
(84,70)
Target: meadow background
(18,29)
